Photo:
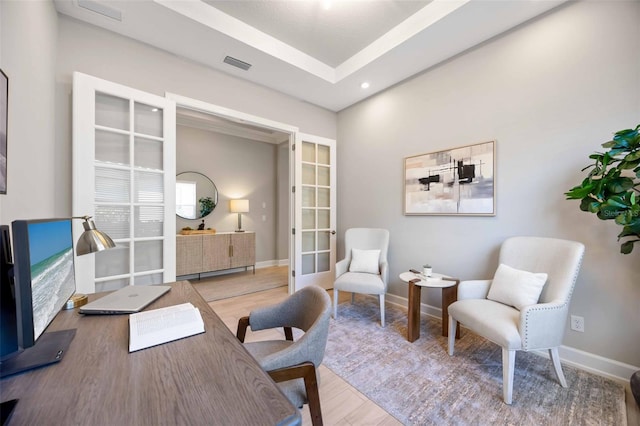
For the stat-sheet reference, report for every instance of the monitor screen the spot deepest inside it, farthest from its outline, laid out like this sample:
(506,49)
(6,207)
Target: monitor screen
(44,273)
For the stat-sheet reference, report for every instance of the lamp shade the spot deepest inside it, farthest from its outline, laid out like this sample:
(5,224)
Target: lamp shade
(239,206)
(92,240)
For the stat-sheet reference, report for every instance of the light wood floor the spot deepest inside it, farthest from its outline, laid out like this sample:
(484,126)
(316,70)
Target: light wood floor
(341,403)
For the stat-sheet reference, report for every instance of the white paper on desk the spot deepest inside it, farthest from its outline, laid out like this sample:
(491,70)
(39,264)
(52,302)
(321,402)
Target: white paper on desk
(151,328)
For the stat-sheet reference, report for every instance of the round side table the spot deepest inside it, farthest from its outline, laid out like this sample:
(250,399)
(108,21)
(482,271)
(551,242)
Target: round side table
(449,288)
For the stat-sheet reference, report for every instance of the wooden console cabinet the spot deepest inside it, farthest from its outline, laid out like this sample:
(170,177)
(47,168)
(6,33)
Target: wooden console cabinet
(196,254)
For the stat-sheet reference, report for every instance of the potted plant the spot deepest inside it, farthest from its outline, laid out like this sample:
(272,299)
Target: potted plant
(611,190)
(206,206)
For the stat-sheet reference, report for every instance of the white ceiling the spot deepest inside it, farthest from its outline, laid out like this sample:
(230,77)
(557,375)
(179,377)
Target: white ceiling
(319,51)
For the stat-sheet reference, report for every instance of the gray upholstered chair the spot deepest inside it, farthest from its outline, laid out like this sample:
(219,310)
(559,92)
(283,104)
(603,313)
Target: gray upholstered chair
(532,323)
(292,364)
(364,268)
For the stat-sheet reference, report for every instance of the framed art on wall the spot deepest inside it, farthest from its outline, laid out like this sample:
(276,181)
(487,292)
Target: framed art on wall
(4,110)
(458,181)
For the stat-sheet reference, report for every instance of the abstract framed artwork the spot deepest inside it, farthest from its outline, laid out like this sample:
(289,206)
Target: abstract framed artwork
(458,181)
(4,116)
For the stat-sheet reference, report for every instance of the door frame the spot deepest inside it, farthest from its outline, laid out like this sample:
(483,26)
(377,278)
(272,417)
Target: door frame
(254,120)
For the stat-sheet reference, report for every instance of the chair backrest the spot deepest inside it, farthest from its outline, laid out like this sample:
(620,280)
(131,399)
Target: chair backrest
(560,259)
(313,310)
(366,239)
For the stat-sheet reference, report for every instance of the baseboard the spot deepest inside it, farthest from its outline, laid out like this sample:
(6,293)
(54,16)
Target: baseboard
(266,264)
(283,262)
(596,364)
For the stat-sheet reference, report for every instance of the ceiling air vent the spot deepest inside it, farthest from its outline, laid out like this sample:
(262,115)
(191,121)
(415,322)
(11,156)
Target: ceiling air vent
(102,9)
(237,63)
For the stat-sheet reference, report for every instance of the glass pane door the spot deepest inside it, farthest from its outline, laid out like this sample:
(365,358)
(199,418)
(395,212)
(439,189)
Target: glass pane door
(123,177)
(315,211)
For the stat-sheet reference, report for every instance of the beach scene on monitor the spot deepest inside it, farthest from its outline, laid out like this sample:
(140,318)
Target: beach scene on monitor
(456,181)
(52,272)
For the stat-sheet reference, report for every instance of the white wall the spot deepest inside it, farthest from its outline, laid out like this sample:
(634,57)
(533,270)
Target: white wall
(36,169)
(40,51)
(240,168)
(94,51)
(550,92)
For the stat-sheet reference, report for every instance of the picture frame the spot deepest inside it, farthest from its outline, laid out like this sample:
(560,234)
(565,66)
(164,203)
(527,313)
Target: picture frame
(458,181)
(4,118)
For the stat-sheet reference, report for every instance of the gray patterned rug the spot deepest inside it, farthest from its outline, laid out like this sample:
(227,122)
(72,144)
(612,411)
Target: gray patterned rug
(419,384)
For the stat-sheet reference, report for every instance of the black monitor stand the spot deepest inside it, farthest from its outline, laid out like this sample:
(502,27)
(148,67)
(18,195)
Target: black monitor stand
(49,348)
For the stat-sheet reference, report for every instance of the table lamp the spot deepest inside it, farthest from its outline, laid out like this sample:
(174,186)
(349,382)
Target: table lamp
(90,241)
(239,206)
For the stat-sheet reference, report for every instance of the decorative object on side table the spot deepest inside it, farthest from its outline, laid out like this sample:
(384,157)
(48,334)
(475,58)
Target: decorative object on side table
(427,270)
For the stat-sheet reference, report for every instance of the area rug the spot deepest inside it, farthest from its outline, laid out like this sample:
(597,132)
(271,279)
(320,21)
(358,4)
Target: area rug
(420,384)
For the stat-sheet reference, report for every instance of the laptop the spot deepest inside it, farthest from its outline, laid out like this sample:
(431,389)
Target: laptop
(127,300)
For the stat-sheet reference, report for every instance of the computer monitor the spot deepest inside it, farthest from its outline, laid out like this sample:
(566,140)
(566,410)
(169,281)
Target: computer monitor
(43,279)
(8,321)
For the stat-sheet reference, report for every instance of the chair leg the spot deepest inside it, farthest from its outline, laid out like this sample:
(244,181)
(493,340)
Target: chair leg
(452,334)
(335,303)
(306,371)
(555,359)
(353,298)
(508,368)
(382,309)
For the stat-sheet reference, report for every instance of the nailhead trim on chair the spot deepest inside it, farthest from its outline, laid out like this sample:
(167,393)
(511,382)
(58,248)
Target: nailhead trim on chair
(549,308)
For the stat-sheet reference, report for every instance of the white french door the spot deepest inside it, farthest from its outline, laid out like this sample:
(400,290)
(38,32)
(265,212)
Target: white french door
(124,177)
(314,237)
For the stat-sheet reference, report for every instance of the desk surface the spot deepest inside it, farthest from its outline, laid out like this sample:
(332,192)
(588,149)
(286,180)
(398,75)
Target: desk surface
(204,379)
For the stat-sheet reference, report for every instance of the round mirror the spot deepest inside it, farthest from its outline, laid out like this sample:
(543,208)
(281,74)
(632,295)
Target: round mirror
(196,195)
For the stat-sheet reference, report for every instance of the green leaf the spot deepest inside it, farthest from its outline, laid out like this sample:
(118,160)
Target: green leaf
(624,218)
(579,192)
(589,204)
(608,212)
(633,156)
(619,184)
(626,165)
(628,231)
(617,201)
(627,247)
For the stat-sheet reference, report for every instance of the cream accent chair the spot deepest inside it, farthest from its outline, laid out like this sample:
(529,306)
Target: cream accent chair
(535,327)
(362,282)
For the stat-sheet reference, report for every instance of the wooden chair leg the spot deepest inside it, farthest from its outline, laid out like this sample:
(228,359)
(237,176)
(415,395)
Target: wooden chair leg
(288,333)
(306,371)
(241,333)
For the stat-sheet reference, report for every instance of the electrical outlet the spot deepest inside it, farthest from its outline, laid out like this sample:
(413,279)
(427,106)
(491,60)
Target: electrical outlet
(577,323)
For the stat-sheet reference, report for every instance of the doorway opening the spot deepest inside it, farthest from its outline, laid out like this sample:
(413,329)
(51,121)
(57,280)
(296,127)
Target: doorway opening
(246,158)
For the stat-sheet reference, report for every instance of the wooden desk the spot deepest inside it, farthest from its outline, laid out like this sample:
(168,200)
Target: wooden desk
(204,379)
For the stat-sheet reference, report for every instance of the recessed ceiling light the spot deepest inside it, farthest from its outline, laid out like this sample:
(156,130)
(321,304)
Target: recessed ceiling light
(365,85)
(326,4)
